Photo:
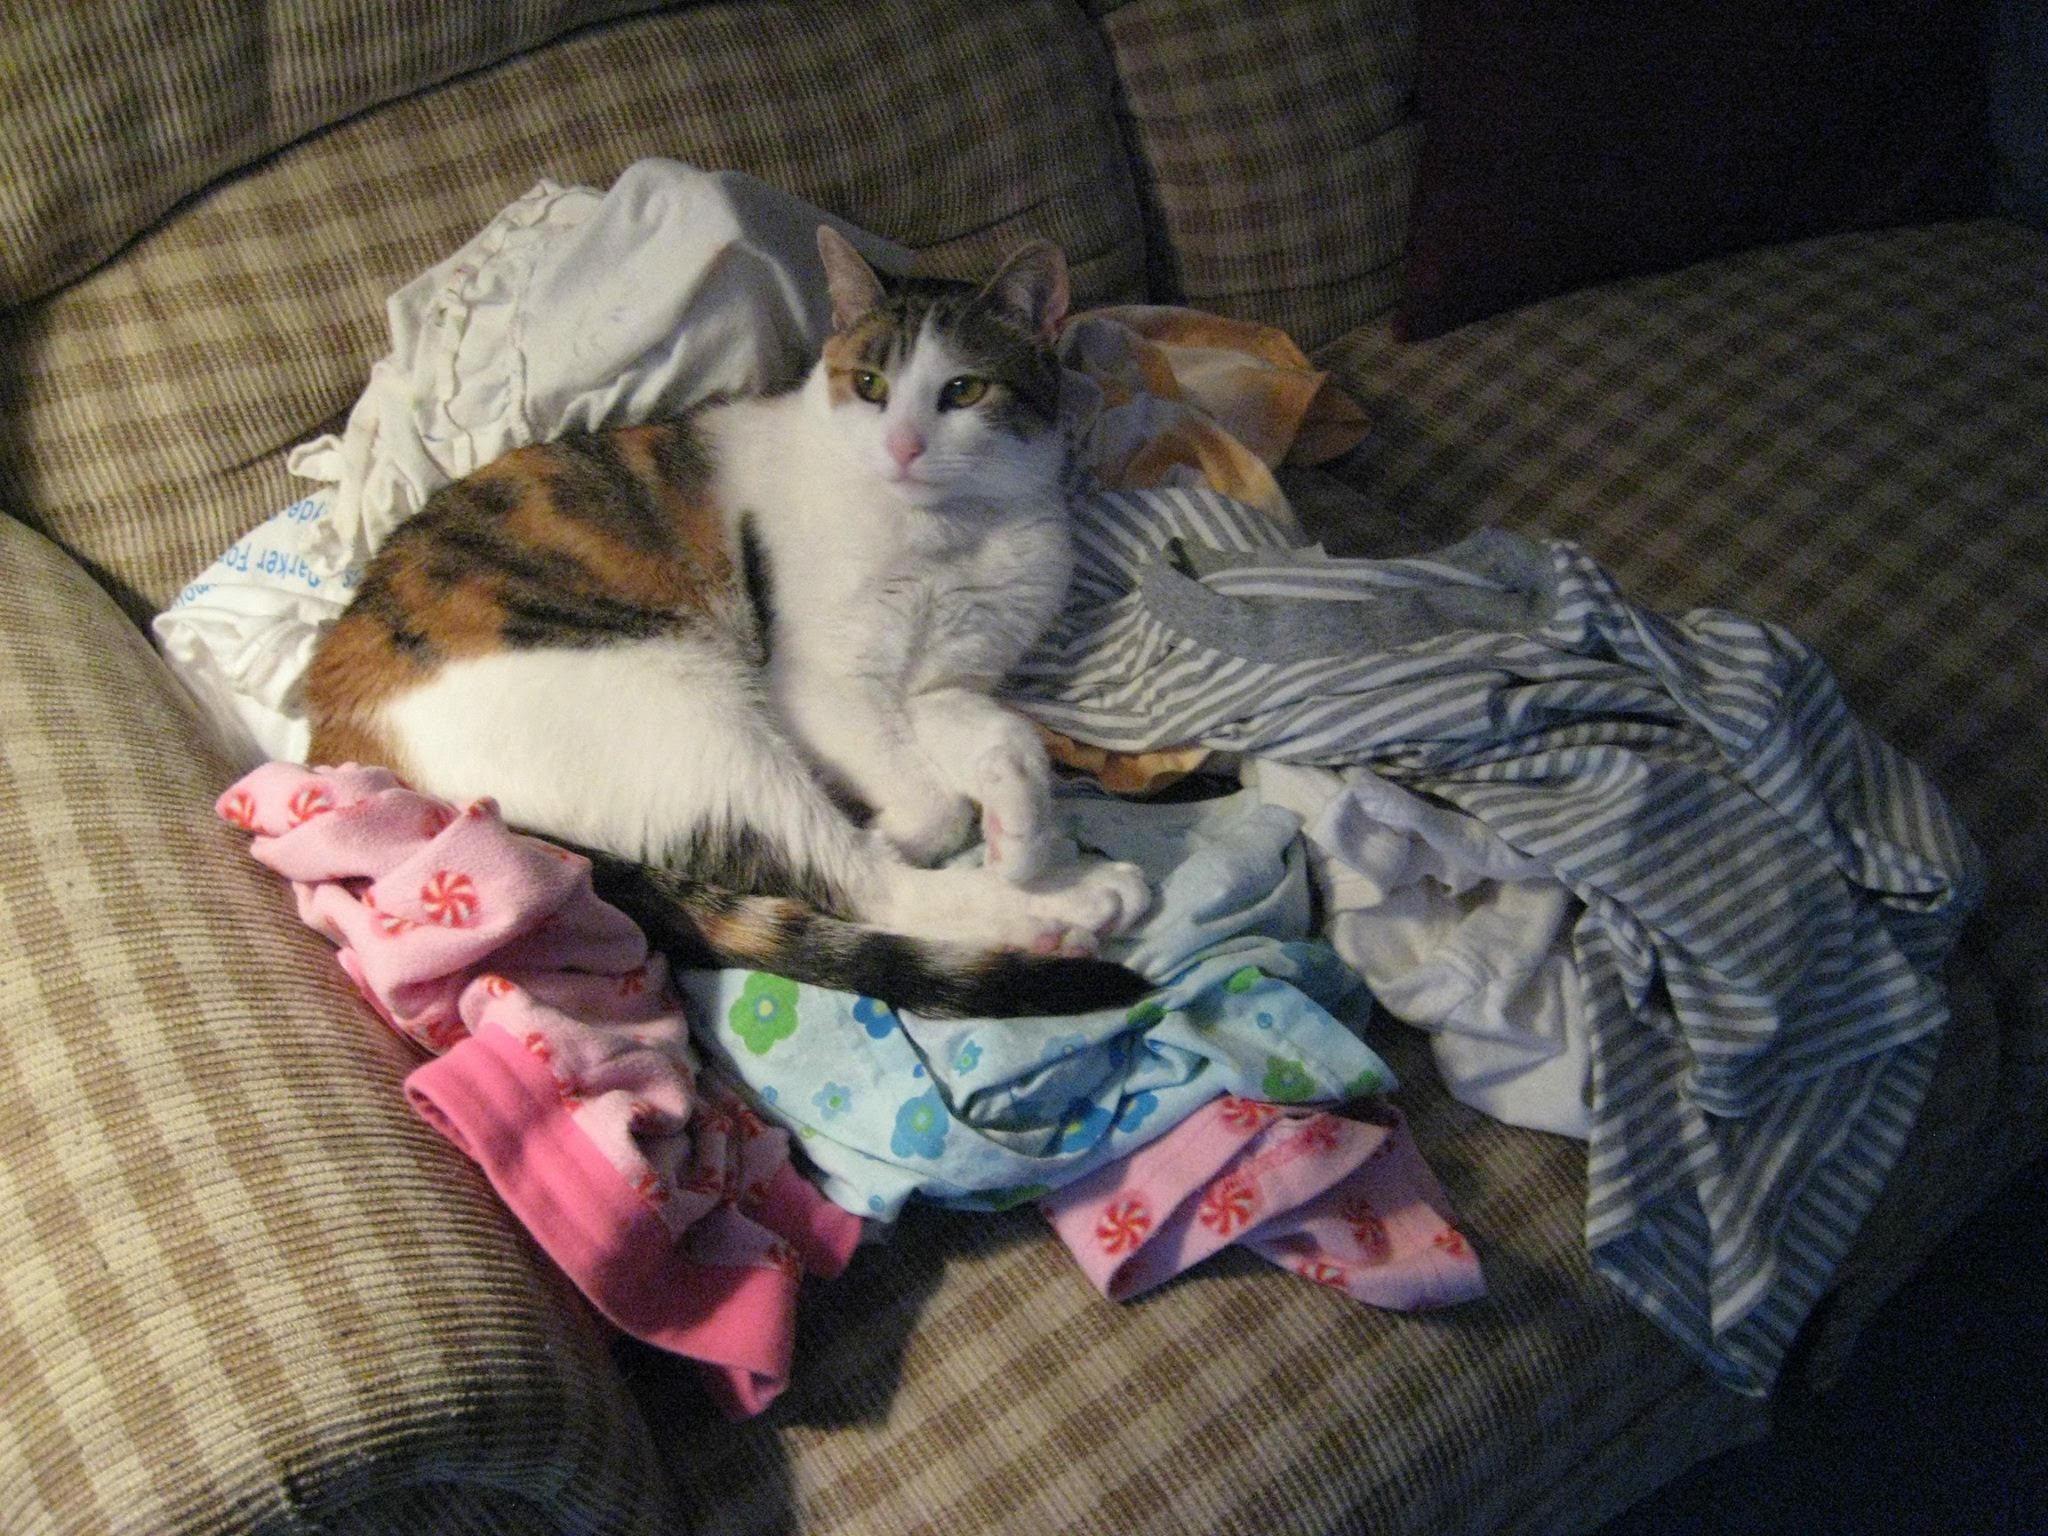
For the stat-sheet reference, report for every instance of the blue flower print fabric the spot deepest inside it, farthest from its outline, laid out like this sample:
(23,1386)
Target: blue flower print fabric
(990,1113)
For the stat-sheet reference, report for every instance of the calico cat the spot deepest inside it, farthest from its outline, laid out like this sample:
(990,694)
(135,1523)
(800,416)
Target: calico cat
(687,647)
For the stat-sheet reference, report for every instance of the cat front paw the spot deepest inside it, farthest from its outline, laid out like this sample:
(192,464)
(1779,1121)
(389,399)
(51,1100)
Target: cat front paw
(1087,903)
(1027,853)
(1020,840)
(929,829)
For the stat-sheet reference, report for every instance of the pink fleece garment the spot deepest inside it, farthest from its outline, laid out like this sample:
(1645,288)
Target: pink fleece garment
(563,1064)
(1346,1203)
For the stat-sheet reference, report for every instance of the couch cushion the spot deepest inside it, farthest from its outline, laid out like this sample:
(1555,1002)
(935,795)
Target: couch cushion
(144,411)
(243,1285)
(114,112)
(964,1376)
(1566,143)
(1841,435)
(1277,143)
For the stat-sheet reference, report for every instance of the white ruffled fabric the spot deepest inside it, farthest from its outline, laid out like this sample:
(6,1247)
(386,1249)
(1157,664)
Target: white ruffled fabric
(1456,933)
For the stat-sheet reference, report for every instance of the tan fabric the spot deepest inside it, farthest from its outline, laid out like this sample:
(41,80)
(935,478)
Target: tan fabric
(241,1285)
(1190,398)
(145,411)
(1124,773)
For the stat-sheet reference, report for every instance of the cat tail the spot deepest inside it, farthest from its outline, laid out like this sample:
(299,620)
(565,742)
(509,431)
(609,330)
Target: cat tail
(702,926)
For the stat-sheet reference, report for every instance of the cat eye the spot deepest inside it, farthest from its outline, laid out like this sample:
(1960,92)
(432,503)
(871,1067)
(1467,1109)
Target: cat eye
(960,392)
(871,386)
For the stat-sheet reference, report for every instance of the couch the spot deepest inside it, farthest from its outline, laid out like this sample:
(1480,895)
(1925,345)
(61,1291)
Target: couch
(244,1288)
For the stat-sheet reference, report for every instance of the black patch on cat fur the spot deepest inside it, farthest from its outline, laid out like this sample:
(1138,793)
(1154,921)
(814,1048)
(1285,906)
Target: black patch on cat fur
(681,456)
(377,602)
(743,858)
(700,926)
(538,618)
(759,581)
(490,498)
(474,539)
(548,598)
(591,482)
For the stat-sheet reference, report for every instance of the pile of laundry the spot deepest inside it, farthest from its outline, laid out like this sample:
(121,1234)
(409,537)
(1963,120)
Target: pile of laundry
(569,1065)
(1516,800)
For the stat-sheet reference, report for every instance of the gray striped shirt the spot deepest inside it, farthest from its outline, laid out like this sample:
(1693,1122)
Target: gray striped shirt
(1769,888)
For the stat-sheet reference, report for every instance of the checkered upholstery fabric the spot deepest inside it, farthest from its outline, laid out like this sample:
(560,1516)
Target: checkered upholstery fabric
(146,422)
(242,1286)
(1279,144)
(115,111)
(1843,436)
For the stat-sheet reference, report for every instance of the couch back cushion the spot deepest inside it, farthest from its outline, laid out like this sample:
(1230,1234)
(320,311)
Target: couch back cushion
(145,410)
(1276,145)
(114,111)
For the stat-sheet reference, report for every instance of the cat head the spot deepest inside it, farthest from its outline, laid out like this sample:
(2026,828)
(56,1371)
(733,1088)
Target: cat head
(947,391)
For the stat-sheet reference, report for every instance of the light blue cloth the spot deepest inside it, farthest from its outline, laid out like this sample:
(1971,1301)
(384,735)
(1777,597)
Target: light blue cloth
(991,1113)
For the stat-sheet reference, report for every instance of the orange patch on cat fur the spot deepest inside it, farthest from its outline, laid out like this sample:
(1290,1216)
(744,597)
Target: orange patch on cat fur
(845,354)
(336,742)
(357,666)
(698,520)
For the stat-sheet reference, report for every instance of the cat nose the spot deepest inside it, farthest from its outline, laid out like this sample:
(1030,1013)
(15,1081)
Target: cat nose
(904,445)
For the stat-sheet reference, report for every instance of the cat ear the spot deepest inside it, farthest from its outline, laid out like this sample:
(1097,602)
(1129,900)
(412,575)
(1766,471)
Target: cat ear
(851,281)
(1032,285)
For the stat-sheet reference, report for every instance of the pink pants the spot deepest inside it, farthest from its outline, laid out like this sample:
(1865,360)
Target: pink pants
(563,1064)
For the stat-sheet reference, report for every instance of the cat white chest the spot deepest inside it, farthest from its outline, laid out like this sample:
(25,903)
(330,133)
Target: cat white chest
(924,613)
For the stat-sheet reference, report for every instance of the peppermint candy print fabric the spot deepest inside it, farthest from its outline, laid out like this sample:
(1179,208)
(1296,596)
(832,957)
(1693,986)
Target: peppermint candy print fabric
(563,1064)
(1343,1202)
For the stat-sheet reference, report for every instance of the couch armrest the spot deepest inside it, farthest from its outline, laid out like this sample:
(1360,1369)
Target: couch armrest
(241,1286)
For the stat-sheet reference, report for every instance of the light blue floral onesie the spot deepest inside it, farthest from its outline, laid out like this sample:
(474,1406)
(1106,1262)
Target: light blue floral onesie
(988,1113)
